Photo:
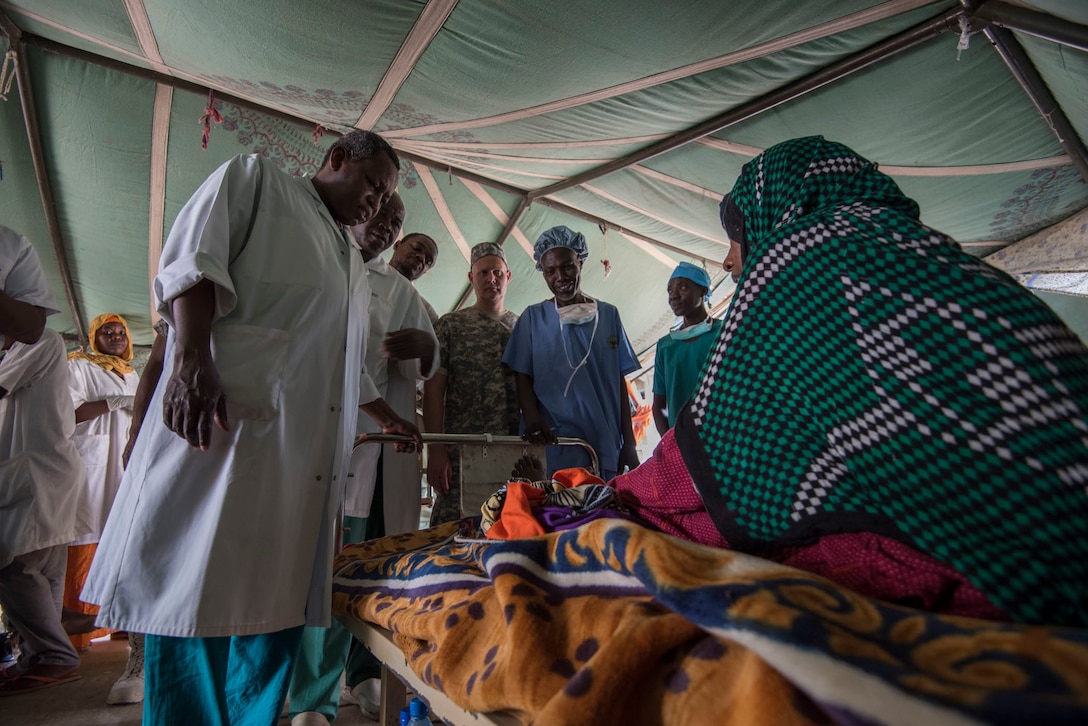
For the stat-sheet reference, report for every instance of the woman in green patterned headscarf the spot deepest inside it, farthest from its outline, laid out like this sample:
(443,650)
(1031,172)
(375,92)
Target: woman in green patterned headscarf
(871,377)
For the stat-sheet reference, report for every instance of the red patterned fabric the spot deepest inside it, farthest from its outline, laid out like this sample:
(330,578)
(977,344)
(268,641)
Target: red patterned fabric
(661,493)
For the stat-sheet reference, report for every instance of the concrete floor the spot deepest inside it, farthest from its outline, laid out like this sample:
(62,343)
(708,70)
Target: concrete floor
(83,702)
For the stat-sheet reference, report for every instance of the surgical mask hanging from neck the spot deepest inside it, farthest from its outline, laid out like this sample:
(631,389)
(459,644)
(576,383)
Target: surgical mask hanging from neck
(581,313)
(692,331)
(577,313)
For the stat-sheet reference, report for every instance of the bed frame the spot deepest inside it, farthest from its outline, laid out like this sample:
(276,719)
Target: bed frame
(398,678)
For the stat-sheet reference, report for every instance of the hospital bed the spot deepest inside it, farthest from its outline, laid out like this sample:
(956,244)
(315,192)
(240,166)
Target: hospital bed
(613,622)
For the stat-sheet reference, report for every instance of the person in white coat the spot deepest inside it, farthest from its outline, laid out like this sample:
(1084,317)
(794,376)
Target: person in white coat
(401,346)
(41,475)
(102,383)
(25,299)
(220,543)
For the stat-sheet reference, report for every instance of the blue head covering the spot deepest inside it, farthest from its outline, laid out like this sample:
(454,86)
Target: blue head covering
(694,273)
(560,237)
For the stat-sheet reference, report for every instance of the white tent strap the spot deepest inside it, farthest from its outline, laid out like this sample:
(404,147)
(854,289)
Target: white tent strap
(858,19)
(6,79)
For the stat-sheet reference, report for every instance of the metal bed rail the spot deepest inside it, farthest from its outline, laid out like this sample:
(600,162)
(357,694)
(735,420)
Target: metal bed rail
(477,440)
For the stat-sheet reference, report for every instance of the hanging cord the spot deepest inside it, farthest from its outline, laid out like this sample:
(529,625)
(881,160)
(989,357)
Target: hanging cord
(6,80)
(965,36)
(604,243)
(319,131)
(210,114)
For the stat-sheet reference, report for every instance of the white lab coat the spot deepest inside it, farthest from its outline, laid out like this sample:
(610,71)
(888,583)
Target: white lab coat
(21,274)
(100,440)
(41,477)
(394,305)
(239,539)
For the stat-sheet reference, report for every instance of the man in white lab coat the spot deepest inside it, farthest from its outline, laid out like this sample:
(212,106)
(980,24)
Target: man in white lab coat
(41,475)
(220,542)
(401,349)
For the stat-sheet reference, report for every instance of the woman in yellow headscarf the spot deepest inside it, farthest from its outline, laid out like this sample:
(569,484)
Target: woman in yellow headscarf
(102,384)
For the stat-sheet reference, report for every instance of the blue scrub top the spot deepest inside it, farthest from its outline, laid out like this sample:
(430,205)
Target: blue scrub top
(591,408)
(678,365)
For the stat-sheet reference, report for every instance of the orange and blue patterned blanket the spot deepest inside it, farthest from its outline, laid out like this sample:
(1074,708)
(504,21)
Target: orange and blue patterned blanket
(616,623)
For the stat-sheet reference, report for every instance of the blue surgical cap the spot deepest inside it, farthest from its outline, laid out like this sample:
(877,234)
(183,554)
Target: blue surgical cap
(560,237)
(692,272)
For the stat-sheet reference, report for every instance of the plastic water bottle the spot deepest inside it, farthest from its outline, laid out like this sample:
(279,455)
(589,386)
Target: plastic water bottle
(405,716)
(418,711)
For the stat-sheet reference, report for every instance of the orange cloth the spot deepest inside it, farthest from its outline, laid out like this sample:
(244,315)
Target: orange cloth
(575,477)
(641,414)
(79,564)
(517,518)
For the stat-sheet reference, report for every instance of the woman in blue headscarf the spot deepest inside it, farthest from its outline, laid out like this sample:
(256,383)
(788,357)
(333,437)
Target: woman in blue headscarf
(681,353)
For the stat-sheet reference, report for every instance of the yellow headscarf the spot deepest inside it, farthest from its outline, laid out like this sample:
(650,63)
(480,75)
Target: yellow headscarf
(108,362)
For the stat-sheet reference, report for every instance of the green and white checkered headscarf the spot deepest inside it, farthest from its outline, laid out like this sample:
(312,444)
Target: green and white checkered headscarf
(871,376)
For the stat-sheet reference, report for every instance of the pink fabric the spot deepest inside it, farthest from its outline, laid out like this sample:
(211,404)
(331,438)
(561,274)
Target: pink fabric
(886,569)
(662,493)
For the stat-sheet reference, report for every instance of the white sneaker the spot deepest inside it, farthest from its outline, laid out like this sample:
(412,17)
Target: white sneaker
(368,695)
(310,718)
(347,698)
(129,688)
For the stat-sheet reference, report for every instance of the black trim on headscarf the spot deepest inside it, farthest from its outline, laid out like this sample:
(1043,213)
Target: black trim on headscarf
(733,223)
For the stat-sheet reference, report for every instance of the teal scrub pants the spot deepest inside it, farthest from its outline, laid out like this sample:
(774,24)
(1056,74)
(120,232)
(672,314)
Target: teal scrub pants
(238,680)
(315,683)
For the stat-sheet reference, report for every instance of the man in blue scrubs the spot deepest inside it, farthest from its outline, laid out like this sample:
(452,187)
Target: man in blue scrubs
(570,354)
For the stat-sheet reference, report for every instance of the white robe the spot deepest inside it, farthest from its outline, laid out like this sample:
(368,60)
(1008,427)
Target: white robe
(100,440)
(41,477)
(394,305)
(239,539)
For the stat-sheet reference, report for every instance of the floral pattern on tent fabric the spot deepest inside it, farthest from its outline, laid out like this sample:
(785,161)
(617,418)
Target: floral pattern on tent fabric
(1037,203)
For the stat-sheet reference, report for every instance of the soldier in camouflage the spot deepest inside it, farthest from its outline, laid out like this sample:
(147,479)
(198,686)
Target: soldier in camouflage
(472,392)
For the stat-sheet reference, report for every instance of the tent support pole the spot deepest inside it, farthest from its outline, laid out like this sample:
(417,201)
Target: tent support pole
(1021,67)
(1033,22)
(41,174)
(840,69)
(458,172)
(551,203)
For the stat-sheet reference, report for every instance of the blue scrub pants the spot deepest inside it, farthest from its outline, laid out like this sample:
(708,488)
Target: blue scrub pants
(238,680)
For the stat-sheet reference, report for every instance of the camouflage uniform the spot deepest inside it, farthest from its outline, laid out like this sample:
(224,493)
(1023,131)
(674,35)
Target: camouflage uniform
(481,394)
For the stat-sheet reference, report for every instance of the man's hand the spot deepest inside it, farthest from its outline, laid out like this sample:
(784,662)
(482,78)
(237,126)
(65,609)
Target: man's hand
(628,457)
(397,425)
(537,431)
(408,344)
(194,398)
(438,468)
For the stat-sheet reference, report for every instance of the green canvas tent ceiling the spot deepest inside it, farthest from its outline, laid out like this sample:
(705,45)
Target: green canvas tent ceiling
(624,120)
